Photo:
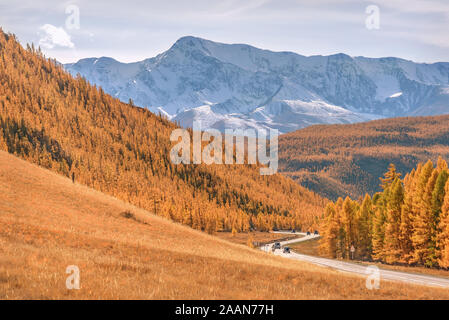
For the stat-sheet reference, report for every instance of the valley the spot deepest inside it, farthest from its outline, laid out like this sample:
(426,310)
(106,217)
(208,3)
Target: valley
(49,223)
(129,215)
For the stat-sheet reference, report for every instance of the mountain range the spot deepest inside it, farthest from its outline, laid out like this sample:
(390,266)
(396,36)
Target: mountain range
(240,86)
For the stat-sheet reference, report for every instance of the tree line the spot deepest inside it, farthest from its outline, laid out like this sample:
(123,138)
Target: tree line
(407,223)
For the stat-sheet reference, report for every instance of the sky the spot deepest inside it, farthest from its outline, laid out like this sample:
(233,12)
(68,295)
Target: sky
(134,30)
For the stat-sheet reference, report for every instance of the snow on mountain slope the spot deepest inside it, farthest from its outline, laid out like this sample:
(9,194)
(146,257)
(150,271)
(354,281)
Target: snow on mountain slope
(435,106)
(241,86)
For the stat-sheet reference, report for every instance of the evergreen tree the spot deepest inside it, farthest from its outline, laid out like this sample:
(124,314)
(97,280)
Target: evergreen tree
(443,235)
(390,176)
(441,164)
(365,221)
(422,221)
(438,195)
(392,248)
(406,228)
(379,226)
(341,239)
(349,225)
(329,233)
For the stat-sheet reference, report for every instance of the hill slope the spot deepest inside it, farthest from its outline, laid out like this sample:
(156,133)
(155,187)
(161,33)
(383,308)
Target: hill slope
(238,85)
(341,160)
(49,223)
(49,118)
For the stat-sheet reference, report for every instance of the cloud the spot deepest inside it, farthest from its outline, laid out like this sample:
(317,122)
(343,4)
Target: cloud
(54,37)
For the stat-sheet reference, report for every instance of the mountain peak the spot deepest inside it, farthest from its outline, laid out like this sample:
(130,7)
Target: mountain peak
(185,39)
(341,56)
(187,42)
(101,61)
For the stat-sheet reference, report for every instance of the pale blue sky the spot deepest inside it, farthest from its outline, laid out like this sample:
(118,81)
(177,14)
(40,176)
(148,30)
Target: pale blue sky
(133,30)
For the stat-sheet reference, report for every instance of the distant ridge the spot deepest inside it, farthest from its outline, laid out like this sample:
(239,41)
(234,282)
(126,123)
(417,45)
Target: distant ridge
(347,160)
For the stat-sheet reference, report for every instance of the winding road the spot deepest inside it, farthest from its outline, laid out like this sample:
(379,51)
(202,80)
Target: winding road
(355,268)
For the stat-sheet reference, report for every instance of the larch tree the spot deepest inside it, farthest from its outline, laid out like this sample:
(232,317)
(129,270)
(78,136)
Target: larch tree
(422,221)
(390,176)
(443,235)
(378,227)
(437,200)
(392,248)
(406,228)
(328,245)
(365,220)
(441,164)
(341,239)
(349,223)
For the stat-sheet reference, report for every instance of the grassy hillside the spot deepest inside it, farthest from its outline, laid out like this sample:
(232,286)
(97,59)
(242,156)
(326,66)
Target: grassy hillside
(65,124)
(49,223)
(340,160)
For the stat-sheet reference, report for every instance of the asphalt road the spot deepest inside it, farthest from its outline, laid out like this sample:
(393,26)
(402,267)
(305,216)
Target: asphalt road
(358,269)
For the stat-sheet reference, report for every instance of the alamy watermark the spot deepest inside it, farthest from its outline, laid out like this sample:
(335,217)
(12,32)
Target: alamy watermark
(73,21)
(373,279)
(261,147)
(372,22)
(73,280)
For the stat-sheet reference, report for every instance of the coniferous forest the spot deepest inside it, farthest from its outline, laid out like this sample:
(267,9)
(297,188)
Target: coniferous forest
(407,223)
(347,160)
(74,128)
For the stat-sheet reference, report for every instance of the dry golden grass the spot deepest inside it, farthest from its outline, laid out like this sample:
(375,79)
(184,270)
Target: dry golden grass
(310,247)
(47,224)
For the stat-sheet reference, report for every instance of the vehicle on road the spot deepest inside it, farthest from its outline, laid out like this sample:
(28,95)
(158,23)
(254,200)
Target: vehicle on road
(316,233)
(293,231)
(308,233)
(356,268)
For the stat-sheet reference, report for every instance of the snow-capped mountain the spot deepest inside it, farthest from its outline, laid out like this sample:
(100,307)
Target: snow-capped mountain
(239,86)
